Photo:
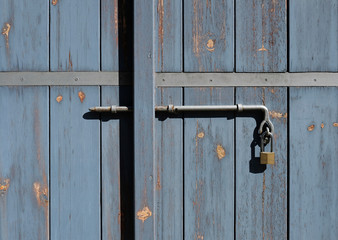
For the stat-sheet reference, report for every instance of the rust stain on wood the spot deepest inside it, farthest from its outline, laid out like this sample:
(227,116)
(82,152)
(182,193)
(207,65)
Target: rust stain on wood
(54,2)
(160,12)
(335,124)
(220,152)
(310,128)
(211,45)
(5,32)
(82,96)
(70,62)
(59,98)
(144,214)
(116,22)
(158,183)
(4,185)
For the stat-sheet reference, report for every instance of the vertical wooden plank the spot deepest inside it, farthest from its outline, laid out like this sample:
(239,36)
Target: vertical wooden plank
(168,213)
(168,30)
(209,167)
(74,35)
(75,163)
(144,118)
(261,36)
(24,163)
(24,35)
(117,166)
(116,35)
(261,190)
(313,35)
(313,163)
(208,36)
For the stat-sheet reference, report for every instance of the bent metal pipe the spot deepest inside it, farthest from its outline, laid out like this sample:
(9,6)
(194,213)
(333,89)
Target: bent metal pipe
(197,108)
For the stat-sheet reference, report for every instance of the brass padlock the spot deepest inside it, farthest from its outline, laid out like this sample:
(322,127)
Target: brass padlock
(267,157)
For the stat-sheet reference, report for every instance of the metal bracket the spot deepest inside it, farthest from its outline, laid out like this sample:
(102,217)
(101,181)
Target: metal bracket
(198,108)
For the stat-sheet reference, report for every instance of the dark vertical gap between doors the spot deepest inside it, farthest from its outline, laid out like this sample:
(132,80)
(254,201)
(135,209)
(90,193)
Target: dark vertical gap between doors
(126,67)
(235,158)
(183,165)
(101,228)
(49,162)
(288,164)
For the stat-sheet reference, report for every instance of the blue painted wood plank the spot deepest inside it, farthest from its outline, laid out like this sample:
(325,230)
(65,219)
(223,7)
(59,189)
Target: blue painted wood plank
(261,190)
(313,163)
(169,168)
(261,36)
(144,118)
(168,35)
(75,163)
(208,36)
(24,163)
(313,35)
(116,35)
(24,42)
(75,35)
(209,167)
(117,166)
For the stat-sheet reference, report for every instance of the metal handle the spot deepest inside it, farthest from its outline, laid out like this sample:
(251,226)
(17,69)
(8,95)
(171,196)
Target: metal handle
(198,108)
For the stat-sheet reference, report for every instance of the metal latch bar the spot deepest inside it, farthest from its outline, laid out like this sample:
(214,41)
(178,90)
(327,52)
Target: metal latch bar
(197,108)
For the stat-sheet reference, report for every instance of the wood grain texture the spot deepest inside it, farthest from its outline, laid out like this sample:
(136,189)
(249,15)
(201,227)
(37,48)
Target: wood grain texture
(24,163)
(168,35)
(75,163)
(169,168)
(261,190)
(209,167)
(144,119)
(24,30)
(117,166)
(313,35)
(116,35)
(261,36)
(208,36)
(75,35)
(313,163)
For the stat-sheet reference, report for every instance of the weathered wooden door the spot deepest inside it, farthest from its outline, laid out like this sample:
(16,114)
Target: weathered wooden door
(68,173)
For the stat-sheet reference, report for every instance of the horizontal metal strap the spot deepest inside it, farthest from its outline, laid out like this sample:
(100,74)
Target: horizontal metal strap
(310,79)
(196,108)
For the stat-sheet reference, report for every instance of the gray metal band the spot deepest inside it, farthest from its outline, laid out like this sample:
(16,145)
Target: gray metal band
(310,79)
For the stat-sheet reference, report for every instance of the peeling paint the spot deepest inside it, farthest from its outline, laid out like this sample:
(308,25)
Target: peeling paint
(200,135)
(54,2)
(262,49)
(335,124)
(4,185)
(41,194)
(160,12)
(201,237)
(220,152)
(5,32)
(82,96)
(144,214)
(277,115)
(310,128)
(322,125)
(59,98)
(211,45)
(158,183)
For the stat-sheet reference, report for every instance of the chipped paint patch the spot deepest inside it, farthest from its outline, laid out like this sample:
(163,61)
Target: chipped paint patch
(54,2)
(335,124)
(4,185)
(277,115)
(310,128)
(59,98)
(201,237)
(220,152)
(200,135)
(144,214)
(82,96)
(211,45)
(262,49)
(5,32)
(322,125)
(41,194)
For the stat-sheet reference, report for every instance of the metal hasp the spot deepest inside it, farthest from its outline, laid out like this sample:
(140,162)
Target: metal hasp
(199,108)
